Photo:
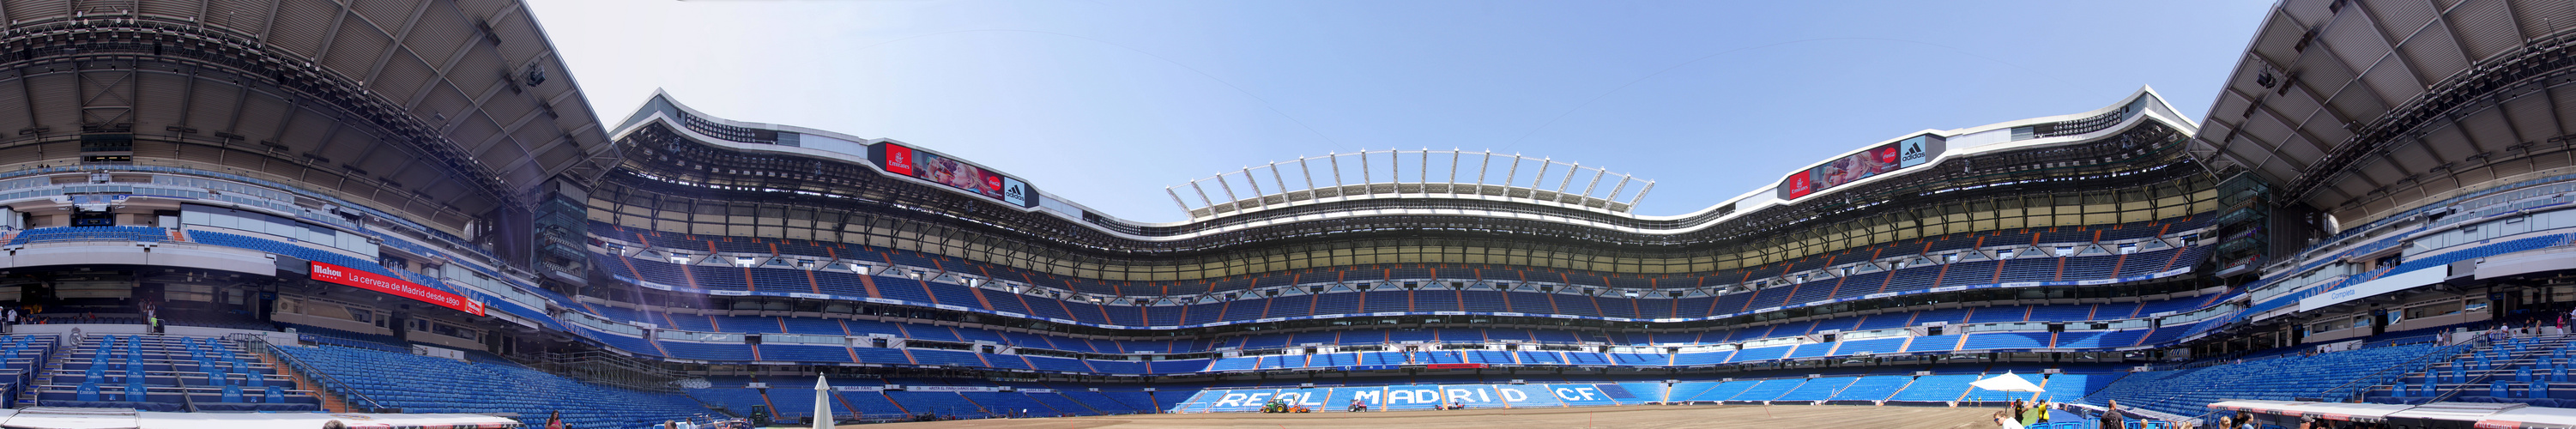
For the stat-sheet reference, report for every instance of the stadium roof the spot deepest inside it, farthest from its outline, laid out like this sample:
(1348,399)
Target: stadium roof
(2357,107)
(462,104)
(1579,207)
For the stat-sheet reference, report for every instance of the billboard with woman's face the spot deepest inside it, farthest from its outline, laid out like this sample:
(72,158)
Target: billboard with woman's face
(943,170)
(1865,164)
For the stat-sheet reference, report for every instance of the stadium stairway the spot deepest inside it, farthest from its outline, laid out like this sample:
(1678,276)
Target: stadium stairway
(330,402)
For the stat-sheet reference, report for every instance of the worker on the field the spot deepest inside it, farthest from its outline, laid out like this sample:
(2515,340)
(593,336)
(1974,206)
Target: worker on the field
(2035,414)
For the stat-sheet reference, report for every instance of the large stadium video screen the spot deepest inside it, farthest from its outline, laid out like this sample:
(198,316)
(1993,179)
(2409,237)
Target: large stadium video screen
(898,159)
(1866,164)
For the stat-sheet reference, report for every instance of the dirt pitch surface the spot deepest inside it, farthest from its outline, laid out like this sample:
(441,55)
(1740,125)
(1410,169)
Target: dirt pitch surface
(1643,416)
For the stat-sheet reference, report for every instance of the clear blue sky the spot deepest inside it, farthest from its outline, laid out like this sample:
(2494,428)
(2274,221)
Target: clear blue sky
(1107,102)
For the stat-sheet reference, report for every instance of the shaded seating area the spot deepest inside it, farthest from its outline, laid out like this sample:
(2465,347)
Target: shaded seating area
(424,384)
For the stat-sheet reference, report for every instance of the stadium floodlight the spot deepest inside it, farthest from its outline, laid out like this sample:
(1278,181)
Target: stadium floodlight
(1230,198)
(1335,160)
(1570,171)
(1203,197)
(1454,155)
(1176,199)
(1365,177)
(1256,188)
(1282,181)
(1541,179)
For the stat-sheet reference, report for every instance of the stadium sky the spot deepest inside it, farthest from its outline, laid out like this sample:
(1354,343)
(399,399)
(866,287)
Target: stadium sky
(1107,102)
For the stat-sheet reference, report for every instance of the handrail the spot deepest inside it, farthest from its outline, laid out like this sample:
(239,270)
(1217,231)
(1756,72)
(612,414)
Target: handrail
(702,403)
(331,385)
(2446,394)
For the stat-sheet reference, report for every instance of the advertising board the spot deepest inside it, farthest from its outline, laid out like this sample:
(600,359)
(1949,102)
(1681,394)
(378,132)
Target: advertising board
(900,159)
(1886,158)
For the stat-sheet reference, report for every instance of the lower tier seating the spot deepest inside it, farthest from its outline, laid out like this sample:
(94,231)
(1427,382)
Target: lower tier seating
(2283,378)
(424,384)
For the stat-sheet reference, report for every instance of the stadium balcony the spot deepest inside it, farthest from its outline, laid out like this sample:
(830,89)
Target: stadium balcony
(1959,261)
(719,338)
(1992,333)
(88,233)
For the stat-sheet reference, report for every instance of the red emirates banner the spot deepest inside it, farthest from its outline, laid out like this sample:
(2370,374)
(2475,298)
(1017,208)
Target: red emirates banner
(1454,366)
(394,286)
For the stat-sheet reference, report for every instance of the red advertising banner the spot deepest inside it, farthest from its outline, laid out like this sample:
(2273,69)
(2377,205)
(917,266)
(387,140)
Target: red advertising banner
(1454,366)
(1798,186)
(898,160)
(397,287)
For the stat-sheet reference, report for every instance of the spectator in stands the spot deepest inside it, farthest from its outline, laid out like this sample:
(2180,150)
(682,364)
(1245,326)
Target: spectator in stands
(2111,416)
(2005,421)
(11,321)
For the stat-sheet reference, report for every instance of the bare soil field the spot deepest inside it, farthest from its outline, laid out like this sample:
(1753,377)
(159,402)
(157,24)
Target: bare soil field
(1642,416)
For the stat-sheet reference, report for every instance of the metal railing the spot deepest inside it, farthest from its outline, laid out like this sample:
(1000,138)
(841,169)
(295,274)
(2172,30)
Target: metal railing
(2362,385)
(333,386)
(609,369)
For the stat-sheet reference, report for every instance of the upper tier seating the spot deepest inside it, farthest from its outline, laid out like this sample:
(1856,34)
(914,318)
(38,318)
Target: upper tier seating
(925,281)
(91,233)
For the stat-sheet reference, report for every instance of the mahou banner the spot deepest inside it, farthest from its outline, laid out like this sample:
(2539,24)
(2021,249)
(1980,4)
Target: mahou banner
(394,286)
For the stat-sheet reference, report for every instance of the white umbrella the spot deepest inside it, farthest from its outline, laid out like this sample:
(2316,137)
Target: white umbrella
(822,403)
(2007,383)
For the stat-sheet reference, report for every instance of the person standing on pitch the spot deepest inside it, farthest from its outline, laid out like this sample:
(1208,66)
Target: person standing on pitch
(2035,413)
(2111,418)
